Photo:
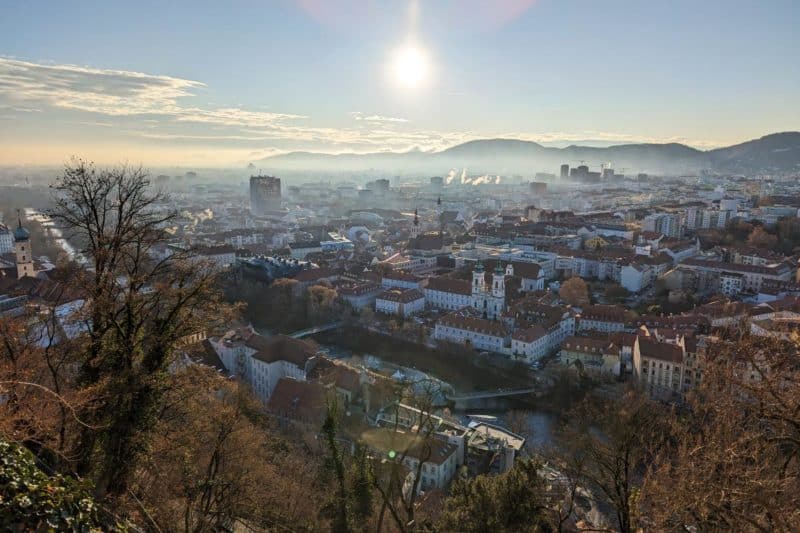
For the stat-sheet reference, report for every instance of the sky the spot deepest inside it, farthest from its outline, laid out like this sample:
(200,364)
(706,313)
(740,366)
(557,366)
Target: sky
(221,83)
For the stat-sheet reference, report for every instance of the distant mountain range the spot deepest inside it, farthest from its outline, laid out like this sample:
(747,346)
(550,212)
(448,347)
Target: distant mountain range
(776,153)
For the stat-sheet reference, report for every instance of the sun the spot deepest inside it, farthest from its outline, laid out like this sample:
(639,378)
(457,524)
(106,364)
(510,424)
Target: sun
(410,66)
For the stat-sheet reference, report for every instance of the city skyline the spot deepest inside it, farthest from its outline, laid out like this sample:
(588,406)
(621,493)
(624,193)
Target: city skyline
(209,85)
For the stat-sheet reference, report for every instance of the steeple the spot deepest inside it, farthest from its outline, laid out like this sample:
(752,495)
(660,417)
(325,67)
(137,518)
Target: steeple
(20,234)
(499,282)
(22,250)
(415,227)
(478,280)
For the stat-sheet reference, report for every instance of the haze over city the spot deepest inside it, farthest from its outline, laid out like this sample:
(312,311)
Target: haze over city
(207,84)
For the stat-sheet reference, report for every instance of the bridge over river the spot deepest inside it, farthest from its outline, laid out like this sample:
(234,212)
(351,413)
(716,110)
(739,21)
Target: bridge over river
(313,331)
(488,398)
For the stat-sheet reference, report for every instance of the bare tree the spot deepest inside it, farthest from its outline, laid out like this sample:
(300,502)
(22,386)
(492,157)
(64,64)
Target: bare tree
(397,489)
(140,305)
(734,457)
(611,444)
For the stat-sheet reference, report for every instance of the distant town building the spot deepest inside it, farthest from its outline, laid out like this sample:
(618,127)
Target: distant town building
(265,194)
(668,224)
(401,302)
(480,333)
(262,362)
(538,188)
(6,240)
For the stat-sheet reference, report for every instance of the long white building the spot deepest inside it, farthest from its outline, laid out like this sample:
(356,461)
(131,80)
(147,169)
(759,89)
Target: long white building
(479,333)
(448,293)
(261,362)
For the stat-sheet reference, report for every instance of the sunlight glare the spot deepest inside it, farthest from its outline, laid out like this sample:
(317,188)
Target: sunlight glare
(411,66)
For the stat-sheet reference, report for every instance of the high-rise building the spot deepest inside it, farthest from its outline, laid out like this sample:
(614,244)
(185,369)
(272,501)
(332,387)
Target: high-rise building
(265,194)
(668,224)
(564,171)
(382,185)
(581,172)
(538,188)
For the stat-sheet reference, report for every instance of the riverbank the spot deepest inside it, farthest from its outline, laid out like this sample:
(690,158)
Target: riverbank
(466,371)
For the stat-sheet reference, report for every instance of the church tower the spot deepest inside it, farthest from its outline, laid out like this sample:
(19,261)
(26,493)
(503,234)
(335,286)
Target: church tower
(22,249)
(415,227)
(440,214)
(499,282)
(478,280)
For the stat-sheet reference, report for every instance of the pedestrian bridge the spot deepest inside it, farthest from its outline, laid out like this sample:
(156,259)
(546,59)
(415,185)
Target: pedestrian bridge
(316,329)
(485,395)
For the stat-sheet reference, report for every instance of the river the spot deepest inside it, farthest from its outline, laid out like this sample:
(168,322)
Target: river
(538,425)
(55,233)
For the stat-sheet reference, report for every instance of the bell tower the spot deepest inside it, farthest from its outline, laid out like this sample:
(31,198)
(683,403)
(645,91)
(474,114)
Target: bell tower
(22,250)
(415,227)
(499,282)
(478,279)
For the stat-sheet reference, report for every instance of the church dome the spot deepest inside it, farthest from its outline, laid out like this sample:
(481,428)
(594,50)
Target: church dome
(21,234)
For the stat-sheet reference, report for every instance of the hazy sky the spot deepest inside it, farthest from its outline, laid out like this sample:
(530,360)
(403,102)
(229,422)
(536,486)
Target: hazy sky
(211,82)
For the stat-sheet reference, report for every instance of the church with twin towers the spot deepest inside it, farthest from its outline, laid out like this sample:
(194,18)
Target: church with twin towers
(489,300)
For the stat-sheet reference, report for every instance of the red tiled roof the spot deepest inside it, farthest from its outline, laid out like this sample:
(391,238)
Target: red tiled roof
(662,351)
(327,371)
(281,348)
(314,274)
(606,313)
(591,345)
(529,334)
(356,289)
(426,242)
(477,325)
(298,400)
(457,286)
(400,275)
(401,295)
(522,269)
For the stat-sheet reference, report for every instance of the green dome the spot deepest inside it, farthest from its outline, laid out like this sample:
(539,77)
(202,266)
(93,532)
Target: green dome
(21,234)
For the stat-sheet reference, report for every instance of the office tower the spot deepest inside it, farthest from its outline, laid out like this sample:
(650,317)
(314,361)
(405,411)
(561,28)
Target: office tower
(265,194)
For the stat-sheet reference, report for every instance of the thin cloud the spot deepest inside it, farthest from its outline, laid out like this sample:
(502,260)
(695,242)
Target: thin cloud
(166,102)
(98,124)
(20,109)
(378,118)
(118,93)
